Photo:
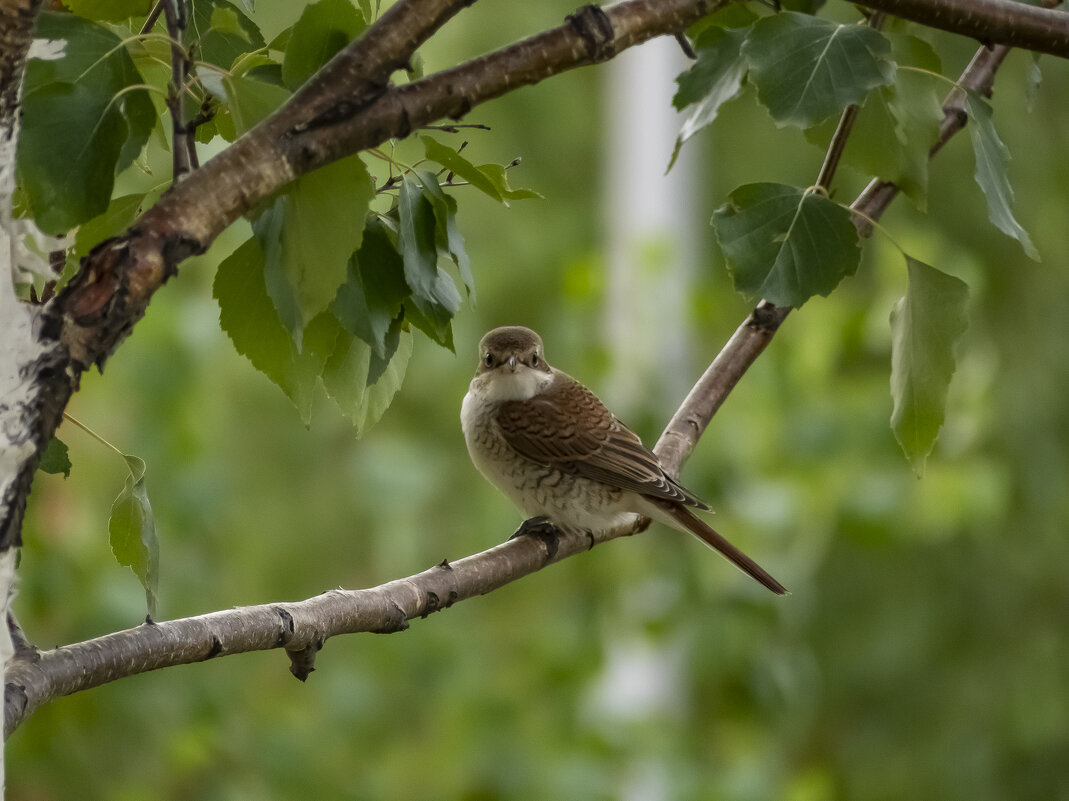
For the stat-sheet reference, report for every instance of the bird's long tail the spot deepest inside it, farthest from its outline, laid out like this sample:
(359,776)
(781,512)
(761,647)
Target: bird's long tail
(688,521)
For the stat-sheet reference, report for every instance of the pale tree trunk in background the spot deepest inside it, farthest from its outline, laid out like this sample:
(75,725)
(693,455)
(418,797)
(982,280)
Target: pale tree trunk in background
(651,231)
(17,345)
(652,235)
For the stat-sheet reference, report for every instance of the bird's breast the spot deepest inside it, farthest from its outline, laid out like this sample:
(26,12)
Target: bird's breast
(538,489)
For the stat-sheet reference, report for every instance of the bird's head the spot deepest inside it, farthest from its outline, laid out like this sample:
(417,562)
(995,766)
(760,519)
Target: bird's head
(512,365)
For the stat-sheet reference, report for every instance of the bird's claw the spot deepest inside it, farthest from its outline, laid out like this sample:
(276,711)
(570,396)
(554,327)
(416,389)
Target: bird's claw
(540,527)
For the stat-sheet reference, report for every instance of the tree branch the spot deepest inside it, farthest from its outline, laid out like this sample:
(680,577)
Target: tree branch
(756,331)
(1005,22)
(34,678)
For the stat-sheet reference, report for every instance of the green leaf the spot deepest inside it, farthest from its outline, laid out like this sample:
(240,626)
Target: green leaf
(448,238)
(80,122)
(804,6)
(785,244)
(991,160)
(220,46)
(133,531)
(379,362)
(384,384)
(715,78)
(806,68)
(121,212)
(434,298)
(435,319)
(917,110)
(925,325)
(498,176)
(370,299)
(457,164)
(55,458)
(68,170)
(109,10)
(323,29)
(346,379)
(248,100)
(417,233)
(248,316)
(897,125)
(308,235)
(228,20)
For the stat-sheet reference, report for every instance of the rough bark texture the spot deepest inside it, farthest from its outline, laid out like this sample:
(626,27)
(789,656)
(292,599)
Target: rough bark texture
(20,440)
(1004,22)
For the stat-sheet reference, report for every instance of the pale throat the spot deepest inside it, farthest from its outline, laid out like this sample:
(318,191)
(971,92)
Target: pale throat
(500,386)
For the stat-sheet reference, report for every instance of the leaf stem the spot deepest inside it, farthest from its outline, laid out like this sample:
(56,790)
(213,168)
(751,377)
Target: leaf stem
(71,418)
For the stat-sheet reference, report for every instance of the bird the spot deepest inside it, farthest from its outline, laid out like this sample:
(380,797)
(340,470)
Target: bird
(563,458)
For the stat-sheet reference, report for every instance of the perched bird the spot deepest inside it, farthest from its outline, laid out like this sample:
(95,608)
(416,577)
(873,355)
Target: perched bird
(551,446)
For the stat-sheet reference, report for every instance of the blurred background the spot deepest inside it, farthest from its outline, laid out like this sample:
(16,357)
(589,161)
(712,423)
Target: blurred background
(922,654)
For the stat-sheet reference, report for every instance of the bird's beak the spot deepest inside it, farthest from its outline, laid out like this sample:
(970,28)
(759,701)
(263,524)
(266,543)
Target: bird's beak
(512,364)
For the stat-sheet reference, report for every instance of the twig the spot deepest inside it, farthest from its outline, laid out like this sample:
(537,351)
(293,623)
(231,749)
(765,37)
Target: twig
(836,147)
(456,127)
(153,16)
(845,126)
(183,145)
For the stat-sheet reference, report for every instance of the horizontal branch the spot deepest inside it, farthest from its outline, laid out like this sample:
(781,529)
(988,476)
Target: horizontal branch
(35,677)
(341,112)
(1005,22)
(590,36)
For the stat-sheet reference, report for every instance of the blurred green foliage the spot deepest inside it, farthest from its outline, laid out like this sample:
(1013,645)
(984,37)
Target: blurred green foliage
(921,655)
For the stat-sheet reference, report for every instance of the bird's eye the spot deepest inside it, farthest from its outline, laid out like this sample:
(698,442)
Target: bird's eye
(534,360)
(488,360)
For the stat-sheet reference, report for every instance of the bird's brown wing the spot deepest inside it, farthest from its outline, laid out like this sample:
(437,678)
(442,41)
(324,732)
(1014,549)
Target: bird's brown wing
(569,428)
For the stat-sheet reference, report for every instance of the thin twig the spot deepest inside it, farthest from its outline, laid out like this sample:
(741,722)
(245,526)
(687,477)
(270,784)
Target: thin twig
(182,145)
(455,128)
(836,147)
(153,16)
(845,126)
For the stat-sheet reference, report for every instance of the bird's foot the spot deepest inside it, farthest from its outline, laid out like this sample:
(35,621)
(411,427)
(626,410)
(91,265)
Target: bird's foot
(542,529)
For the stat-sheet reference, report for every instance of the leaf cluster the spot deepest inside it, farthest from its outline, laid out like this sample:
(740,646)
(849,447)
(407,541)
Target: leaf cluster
(328,290)
(786,244)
